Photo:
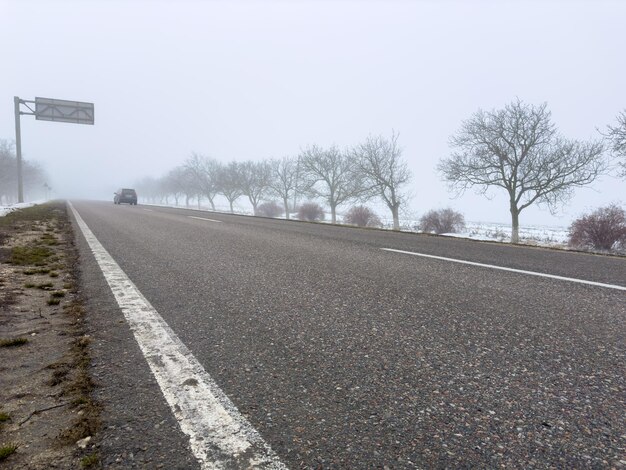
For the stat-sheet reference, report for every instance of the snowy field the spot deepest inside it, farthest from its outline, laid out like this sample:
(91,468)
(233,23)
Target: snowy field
(541,235)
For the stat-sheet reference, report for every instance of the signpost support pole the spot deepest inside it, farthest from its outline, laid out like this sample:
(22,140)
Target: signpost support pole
(18,150)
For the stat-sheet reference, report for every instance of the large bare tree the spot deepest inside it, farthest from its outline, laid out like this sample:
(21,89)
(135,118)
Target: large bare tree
(229,183)
(616,136)
(284,180)
(519,150)
(331,175)
(204,173)
(175,182)
(385,172)
(254,178)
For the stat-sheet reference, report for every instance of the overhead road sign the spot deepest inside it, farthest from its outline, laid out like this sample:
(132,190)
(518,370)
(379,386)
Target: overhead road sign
(47,109)
(77,112)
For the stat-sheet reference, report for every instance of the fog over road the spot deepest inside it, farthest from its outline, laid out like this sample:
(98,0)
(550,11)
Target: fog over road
(344,355)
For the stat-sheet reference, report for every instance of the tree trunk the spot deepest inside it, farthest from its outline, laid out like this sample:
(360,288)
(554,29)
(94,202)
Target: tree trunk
(396,218)
(514,224)
(198,202)
(186,201)
(176,200)
(212,203)
(333,214)
(232,210)
(286,203)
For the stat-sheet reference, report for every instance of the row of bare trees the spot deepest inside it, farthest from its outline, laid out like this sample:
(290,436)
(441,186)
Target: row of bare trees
(34,178)
(517,149)
(372,169)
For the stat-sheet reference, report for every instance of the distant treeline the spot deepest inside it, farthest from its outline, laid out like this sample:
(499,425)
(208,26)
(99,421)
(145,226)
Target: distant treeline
(373,169)
(34,177)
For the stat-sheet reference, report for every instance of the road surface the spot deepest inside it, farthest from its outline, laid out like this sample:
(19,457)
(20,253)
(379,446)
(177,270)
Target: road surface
(343,354)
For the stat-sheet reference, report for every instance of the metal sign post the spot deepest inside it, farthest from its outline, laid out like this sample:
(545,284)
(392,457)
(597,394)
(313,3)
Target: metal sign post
(18,150)
(47,109)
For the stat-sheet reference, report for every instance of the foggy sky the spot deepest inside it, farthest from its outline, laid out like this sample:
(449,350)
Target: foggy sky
(252,80)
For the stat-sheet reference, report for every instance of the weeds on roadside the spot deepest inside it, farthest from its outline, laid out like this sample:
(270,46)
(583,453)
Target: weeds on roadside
(31,271)
(54,301)
(9,343)
(89,460)
(30,255)
(49,239)
(6,450)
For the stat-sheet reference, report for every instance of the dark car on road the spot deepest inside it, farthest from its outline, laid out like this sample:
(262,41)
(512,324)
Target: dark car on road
(128,196)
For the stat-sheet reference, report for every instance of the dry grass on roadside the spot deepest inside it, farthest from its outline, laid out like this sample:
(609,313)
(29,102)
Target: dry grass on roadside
(39,297)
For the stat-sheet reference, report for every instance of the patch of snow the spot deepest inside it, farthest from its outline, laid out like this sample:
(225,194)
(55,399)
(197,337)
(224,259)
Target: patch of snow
(540,235)
(4,210)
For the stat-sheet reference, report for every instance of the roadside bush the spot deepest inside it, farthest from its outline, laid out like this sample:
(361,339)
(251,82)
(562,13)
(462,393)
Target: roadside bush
(362,216)
(603,229)
(310,211)
(269,209)
(442,221)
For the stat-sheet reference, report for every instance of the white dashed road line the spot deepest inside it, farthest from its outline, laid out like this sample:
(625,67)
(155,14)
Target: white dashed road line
(219,436)
(502,268)
(203,218)
(149,210)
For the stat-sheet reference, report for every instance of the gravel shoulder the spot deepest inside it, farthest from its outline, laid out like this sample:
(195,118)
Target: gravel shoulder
(48,415)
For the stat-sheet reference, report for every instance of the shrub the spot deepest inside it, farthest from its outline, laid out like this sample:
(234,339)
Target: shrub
(603,229)
(310,211)
(442,221)
(362,216)
(269,209)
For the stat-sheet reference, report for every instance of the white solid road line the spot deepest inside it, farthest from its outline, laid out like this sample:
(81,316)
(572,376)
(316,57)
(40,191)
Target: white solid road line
(521,271)
(203,218)
(219,436)
(149,210)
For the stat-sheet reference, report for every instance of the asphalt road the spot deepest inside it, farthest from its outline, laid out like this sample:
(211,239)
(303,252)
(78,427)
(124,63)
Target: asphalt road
(343,355)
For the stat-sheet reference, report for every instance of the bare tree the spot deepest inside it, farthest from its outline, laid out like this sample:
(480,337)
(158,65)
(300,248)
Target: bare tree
(229,183)
(148,189)
(254,179)
(181,181)
(386,174)
(284,180)
(518,149)
(616,136)
(331,175)
(34,177)
(174,183)
(8,172)
(204,172)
